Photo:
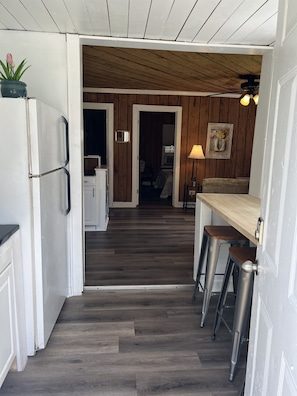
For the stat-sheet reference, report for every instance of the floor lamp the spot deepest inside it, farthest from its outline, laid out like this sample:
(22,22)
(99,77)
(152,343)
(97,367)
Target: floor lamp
(195,154)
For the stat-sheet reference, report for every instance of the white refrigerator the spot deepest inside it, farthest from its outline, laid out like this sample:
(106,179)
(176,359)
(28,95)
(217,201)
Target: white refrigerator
(35,193)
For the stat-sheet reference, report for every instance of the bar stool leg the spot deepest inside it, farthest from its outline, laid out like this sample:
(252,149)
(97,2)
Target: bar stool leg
(212,258)
(200,264)
(222,297)
(241,315)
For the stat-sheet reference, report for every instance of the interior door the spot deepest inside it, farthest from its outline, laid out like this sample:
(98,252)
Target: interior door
(272,359)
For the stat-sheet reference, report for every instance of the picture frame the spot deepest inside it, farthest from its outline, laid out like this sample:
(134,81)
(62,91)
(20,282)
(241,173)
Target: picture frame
(219,140)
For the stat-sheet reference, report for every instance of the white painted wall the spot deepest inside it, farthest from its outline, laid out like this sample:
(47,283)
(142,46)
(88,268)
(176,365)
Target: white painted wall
(46,78)
(77,270)
(255,188)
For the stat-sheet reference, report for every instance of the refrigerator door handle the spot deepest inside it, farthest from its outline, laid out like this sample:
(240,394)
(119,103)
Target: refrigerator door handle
(67,139)
(68,192)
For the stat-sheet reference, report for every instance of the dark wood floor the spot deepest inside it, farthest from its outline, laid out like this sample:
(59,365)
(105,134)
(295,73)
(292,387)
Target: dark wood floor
(135,342)
(148,245)
(130,343)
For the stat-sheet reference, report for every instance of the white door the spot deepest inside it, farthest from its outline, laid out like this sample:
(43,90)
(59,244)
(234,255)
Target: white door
(272,359)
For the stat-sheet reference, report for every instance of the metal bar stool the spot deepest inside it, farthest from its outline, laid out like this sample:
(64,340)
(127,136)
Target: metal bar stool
(213,238)
(244,290)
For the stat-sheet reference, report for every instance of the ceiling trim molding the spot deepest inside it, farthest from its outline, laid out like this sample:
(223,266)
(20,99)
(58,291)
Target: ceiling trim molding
(174,45)
(153,92)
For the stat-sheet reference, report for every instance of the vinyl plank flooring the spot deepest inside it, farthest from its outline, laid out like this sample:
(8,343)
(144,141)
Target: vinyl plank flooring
(190,382)
(142,342)
(74,383)
(142,246)
(132,342)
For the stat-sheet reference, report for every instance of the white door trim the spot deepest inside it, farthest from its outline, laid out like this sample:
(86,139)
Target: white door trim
(109,107)
(135,148)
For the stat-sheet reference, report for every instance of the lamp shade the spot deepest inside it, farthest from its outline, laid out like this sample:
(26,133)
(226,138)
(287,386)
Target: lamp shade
(196,152)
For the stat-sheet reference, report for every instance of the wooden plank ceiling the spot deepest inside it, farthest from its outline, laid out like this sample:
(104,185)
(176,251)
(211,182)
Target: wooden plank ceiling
(143,69)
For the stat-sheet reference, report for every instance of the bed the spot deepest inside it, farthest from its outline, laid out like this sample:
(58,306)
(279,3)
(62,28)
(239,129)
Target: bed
(164,182)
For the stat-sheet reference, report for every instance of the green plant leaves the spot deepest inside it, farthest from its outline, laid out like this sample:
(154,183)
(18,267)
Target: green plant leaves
(11,74)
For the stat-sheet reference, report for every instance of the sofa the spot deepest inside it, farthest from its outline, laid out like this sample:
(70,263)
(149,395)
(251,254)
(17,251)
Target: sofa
(226,185)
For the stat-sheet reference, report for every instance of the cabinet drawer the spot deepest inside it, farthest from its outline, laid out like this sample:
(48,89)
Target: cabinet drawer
(89,181)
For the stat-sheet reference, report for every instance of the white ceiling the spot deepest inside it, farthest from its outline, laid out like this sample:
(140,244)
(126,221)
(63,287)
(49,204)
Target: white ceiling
(205,44)
(224,22)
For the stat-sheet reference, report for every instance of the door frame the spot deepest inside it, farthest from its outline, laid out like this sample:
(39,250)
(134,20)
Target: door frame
(177,110)
(109,108)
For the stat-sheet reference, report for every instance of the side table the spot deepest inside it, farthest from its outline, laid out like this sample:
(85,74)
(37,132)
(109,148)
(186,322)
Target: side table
(190,192)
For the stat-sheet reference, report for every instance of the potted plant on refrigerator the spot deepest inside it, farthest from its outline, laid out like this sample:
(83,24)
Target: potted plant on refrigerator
(11,86)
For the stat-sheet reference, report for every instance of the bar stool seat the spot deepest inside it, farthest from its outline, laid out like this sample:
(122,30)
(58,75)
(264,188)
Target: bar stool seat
(213,238)
(243,301)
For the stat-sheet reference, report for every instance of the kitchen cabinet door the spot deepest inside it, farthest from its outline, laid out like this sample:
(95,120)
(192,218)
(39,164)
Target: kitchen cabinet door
(90,205)
(7,317)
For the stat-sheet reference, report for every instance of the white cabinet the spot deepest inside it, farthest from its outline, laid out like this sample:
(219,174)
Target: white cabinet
(7,315)
(90,200)
(96,209)
(13,354)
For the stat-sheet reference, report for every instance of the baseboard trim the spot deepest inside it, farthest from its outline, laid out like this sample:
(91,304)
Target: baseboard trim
(137,287)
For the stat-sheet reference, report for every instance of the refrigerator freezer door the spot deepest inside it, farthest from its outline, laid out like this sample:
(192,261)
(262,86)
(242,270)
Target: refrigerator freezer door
(47,133)
(50,240)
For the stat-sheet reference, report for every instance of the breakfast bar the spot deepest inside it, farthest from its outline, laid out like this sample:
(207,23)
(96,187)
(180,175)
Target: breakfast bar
(238,210)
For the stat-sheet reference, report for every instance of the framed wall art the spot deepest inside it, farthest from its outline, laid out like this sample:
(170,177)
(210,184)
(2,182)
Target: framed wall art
(219,140)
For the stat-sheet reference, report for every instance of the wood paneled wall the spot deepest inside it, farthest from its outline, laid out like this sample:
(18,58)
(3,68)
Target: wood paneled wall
(197,112)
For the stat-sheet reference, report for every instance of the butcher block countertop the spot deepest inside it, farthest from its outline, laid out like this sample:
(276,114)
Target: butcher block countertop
(239,210)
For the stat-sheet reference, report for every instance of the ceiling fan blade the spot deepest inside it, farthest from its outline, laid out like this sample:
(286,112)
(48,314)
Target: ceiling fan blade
(229,94)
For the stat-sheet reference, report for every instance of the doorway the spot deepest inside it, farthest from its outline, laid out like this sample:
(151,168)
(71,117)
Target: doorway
(177,112)
(156,157)
(95,133)
(100,117)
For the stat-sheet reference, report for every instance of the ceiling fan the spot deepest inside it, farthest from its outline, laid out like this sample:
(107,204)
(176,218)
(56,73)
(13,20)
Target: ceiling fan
(248,89)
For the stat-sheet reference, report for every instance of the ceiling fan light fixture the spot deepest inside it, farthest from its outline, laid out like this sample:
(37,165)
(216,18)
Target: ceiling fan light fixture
(250,88)
(245,100)
(256,99)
